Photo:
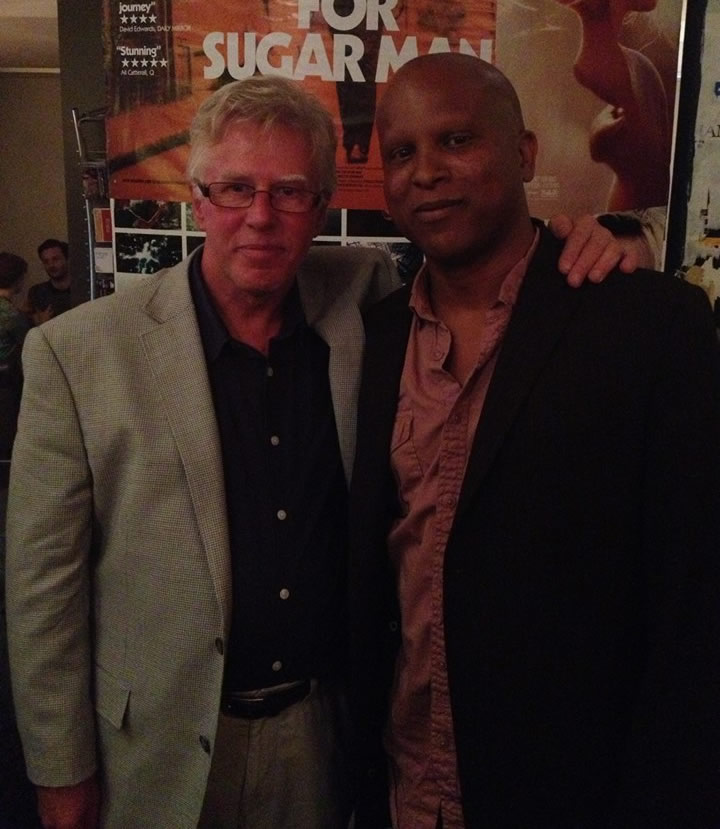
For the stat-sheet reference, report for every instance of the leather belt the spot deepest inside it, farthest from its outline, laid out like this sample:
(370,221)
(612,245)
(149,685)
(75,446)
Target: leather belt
(265,702)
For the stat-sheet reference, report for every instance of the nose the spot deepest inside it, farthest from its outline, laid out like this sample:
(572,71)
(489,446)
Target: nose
(260,213)
(429,168)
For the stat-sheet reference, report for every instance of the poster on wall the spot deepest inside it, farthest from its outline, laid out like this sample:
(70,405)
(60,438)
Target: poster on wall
(163,57)
(694,243)
(599,91)
(597,80)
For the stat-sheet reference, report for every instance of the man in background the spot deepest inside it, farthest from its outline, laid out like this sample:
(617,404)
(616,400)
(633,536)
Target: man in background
(13,328)
(46,300)
(535,509)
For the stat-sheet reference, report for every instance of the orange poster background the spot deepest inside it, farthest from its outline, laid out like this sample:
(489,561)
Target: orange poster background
(151,103)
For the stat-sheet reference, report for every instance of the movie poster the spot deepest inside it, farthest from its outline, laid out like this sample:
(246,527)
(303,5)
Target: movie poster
(165,56)
(599,91)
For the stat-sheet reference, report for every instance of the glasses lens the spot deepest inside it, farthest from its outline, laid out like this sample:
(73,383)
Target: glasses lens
(231,194)
(292,199)
(282,197)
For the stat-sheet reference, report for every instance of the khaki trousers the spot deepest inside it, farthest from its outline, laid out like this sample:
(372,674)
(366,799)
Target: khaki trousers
(290,771)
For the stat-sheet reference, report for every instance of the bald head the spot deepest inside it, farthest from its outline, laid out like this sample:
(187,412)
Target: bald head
(479,83)
(456,157)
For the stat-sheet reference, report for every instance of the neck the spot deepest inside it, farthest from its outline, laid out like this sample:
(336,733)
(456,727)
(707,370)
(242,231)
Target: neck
(467,289)
(61,283)
(474,285)
(250,318)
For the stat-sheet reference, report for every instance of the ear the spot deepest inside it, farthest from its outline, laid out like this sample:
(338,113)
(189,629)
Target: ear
(528,147)
(199,204)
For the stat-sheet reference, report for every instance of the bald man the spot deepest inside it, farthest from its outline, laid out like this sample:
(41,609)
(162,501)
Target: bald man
(535,579)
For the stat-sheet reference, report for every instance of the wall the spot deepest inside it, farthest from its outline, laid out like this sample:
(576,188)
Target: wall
(32,169)
(82,86)
(39,174)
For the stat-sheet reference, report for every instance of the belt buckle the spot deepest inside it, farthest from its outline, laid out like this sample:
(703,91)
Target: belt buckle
(249,707)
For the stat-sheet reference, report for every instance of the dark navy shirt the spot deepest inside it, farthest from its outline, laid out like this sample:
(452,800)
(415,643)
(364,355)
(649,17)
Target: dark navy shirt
(286,497)
(44,294)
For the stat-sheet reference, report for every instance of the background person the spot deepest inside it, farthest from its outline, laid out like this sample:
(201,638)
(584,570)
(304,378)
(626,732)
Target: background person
(46,300)
(16,796)
(13,328)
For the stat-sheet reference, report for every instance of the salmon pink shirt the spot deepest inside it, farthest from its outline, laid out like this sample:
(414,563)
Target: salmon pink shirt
(432,438)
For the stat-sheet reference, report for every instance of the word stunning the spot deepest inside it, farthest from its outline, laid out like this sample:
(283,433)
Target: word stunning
(282,53)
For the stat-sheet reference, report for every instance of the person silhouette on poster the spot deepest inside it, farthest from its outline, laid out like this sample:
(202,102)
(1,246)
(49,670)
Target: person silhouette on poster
(357,99)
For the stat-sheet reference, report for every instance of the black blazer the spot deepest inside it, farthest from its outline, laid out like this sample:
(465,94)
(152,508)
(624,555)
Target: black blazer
(582,573)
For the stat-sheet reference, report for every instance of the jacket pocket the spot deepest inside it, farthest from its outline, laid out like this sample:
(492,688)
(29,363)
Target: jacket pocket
(111,697)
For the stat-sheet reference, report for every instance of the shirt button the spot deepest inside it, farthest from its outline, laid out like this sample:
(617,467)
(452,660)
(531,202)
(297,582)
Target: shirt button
(281,514)
(277,665)
(270,371)
(284,593)
(275,440)
(219,645)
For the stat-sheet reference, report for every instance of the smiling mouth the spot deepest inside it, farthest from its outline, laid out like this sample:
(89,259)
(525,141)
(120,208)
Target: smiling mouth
(259,248)
(435,208)
(438,204)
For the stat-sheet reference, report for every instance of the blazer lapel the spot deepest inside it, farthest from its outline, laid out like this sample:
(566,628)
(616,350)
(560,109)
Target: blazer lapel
(384,362)
(174,351)
(544,308)
(336,318)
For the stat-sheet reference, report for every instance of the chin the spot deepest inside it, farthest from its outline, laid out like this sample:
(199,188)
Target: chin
(262,284)
(446,248)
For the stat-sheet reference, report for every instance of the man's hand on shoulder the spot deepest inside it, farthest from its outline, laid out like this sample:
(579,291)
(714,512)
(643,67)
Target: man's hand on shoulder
(70,807)
(590,251)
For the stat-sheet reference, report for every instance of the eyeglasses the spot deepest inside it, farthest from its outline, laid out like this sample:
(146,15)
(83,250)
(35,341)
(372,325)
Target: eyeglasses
(284,197)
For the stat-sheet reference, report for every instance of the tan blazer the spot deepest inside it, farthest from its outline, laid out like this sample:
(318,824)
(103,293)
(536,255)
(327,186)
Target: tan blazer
(118,570)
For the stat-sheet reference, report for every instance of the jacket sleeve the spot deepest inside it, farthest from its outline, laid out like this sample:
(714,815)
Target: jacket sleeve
(671,774)
(49,534)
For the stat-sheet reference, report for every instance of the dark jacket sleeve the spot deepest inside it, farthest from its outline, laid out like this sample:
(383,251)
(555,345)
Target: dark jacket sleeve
(373,610)
(671,775)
